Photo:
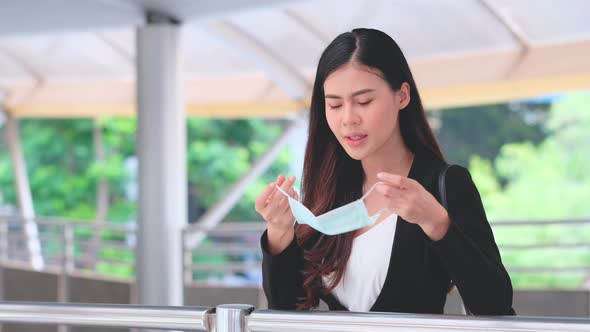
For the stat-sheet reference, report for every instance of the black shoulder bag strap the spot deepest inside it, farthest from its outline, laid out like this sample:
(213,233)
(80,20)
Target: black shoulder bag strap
(442,190)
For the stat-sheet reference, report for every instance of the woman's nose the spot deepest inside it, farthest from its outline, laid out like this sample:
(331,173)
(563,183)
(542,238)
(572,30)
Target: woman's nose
(349,117)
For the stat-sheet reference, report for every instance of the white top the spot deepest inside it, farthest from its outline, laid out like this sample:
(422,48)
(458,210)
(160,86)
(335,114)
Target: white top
(367,267)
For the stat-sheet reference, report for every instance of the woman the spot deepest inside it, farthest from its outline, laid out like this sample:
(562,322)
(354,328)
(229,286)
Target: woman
(368,129)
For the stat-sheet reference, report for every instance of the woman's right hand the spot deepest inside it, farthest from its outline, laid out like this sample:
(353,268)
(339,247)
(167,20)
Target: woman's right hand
(274,208)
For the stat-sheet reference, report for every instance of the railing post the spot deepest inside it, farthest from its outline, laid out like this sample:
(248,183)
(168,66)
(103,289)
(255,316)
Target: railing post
(232,317)
(3,258)
(67,263)
(3,253)
(67,268)
(187,260)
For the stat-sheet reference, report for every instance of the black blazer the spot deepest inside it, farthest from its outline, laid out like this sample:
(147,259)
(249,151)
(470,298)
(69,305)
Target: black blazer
(420,270)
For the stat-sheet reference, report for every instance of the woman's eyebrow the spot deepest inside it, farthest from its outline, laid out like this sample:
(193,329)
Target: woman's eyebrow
(354,94)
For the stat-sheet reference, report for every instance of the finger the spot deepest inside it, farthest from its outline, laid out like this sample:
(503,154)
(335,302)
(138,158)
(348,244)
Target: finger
(288,183)
(283,205)
(394,179)
(262,198)
(280,180)
(292,192)
(388,190)
(277,196)
(288,210)
(274,201)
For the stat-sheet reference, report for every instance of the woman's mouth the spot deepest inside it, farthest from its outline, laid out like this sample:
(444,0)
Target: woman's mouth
(355,140)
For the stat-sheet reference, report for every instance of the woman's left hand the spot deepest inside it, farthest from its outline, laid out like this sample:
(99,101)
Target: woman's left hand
(408,199)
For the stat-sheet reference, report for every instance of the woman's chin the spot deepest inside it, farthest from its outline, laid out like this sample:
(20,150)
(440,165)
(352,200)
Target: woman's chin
(356,155)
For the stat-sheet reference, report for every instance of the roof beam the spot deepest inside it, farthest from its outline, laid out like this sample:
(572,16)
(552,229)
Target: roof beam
(34,74)
(460,95)
(128,57)
(307,25)
(288,78)
(515,30)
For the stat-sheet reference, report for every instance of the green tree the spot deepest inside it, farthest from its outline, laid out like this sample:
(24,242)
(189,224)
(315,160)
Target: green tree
(61,167)
(545,181)
(548,181)
(220,152)
(483,130)
(64,174)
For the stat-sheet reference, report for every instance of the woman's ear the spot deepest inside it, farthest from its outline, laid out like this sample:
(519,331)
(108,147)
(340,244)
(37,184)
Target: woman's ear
(404,95)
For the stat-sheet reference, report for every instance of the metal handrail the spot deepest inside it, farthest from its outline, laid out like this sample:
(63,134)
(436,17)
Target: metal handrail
(87,224)
(123,316)
(227,267)
(547,269)
(539,222)
(243,317)
(578,245)
(269,321)
(233,227)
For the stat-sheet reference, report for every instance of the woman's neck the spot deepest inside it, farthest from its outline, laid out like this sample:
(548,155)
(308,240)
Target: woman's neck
(394,159)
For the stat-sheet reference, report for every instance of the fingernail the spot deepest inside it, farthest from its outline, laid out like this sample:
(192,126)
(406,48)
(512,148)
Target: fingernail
(380,174)
(292,178)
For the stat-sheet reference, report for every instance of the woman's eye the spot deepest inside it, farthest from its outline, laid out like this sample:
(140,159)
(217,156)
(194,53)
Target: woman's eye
(333,107)
(365,103)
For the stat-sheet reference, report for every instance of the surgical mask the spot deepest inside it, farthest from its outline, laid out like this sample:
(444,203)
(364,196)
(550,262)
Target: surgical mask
(346,218)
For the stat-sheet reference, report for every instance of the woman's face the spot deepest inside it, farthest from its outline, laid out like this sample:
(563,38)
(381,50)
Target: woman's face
(362,109)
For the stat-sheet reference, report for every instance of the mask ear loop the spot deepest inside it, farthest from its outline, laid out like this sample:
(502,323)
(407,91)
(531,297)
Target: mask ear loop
(288,196)
(378,213)
(282,191)
(371,189)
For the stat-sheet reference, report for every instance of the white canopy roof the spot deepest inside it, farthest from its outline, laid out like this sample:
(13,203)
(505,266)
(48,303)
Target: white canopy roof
(76,58)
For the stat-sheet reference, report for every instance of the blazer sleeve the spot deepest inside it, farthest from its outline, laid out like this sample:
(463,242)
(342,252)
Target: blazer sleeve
(469,252)
(282,275)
